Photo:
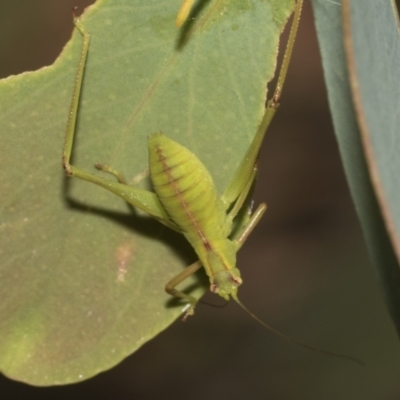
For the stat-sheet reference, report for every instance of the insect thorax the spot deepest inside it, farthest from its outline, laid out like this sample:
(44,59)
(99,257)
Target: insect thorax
(219,262)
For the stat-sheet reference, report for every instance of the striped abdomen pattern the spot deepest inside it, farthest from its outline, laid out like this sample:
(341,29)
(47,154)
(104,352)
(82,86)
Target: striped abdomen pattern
(186,190)
(188,195)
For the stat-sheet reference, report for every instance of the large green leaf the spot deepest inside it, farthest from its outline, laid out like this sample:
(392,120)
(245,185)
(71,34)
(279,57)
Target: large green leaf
(368,133)
(82,277)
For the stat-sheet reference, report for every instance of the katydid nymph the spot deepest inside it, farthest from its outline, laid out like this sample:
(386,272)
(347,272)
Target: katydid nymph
(185,198)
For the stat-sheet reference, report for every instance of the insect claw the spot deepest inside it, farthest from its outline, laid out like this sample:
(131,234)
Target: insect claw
(74,11)
(188,311)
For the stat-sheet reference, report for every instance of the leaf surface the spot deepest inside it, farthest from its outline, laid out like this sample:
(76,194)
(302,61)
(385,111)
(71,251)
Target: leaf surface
(364,100)
(82,276)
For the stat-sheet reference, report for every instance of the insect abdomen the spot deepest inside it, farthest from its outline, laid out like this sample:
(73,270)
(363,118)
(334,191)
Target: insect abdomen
(185,189)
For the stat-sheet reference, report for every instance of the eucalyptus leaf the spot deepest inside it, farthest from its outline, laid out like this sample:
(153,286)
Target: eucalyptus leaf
(82,275)
(365,112)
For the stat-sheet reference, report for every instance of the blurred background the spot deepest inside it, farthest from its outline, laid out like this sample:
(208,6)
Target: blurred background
(306,269)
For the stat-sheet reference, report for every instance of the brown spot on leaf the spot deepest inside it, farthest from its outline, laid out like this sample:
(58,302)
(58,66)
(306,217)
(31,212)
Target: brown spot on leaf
(123,254)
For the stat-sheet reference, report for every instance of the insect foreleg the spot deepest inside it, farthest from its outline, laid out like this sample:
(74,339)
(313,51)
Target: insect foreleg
(170,288)
(237,211)
(243,195)
(250,225)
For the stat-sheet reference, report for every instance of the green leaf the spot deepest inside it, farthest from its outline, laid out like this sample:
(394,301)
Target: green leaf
(82,276)
(365,110)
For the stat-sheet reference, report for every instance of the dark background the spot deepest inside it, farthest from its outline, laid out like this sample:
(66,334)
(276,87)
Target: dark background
(306,268)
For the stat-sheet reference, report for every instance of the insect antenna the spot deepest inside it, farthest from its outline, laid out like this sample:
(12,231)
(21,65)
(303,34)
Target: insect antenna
(293,341)
(207,303)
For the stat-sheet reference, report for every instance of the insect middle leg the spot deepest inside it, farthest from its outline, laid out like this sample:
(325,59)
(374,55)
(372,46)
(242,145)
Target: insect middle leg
(108,169)
(188,310)
(120,177)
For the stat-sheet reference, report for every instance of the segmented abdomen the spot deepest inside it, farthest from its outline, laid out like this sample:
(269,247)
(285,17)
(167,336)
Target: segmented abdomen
(186,190)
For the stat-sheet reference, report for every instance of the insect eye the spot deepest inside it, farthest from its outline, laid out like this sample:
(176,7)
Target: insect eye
(236,280)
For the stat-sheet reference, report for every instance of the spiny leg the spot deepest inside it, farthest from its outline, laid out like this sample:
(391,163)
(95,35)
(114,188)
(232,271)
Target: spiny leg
(245,175)
(70,132)
(250,225)
(142,199)
(241,200)
(245,168)
(241,209)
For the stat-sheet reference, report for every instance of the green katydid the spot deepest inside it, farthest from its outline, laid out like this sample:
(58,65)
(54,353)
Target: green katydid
(185,198)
